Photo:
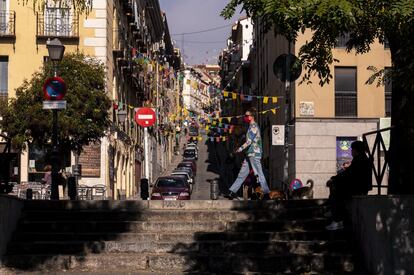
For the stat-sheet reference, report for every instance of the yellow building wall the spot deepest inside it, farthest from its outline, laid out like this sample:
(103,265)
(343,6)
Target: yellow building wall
(26,54)
(371,99)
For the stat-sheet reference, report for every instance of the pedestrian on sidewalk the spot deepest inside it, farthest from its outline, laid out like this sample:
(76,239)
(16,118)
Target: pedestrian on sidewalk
(355,180)
(253,158)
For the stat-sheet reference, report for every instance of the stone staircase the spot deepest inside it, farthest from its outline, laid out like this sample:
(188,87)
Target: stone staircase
(203,237)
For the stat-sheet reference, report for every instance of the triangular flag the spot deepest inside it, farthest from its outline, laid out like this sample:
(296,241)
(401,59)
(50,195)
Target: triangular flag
(273,111)
(217,139)
(249,98)
(220,125)
(207,128)
(214,123)
(220,119)
(234,95)
(225,94)
(224,138)
(274,99)
(211,139)
(265,100)
(200,138)
(241,97)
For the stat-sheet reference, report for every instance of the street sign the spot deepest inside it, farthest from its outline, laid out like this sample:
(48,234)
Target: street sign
(54,104)
(54,88)
(278,135)
(282,62)
(145,117)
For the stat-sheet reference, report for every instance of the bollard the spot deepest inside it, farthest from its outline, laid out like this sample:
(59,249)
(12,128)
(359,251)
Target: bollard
(71,185)
(214,189)
(29,194)
(144,189)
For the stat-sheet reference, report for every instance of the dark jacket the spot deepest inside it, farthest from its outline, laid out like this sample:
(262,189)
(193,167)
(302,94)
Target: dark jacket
(356,179)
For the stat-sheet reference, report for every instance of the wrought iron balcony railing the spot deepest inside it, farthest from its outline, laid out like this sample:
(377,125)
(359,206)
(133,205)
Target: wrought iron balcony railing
(57,23)
(7,23)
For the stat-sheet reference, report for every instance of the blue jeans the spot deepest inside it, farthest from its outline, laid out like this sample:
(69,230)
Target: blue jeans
(244,172)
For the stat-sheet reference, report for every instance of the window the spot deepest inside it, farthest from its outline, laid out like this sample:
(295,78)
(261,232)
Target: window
(388,94)
(342,40)
(4,75)
(345,92)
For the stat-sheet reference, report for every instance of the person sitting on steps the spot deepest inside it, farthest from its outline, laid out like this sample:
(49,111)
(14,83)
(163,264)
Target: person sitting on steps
(352,181)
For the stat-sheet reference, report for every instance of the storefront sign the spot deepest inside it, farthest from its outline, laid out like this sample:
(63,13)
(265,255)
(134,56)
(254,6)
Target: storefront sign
(90,159)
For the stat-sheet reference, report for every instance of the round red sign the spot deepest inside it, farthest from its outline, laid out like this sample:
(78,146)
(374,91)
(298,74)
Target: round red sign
(54,88)
(145,117)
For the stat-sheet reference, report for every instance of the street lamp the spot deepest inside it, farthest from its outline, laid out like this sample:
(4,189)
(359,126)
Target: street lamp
(122,116)
(56,51)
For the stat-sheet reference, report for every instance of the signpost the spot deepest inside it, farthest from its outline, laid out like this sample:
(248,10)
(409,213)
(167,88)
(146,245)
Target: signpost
(146,117)
(54,90)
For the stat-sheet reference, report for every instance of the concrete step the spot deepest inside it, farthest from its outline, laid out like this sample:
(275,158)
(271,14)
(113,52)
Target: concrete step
(170,226)
(171,205)
(181,215)
(321,235)
(191,263)
(201,247)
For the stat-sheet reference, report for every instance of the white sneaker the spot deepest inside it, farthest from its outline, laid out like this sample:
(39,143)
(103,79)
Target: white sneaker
(335,226)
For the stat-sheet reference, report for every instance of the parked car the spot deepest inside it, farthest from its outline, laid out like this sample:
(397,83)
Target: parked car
(190,154)
(193,131)
(192,146)
(184,174)
(190,164)
(185,177)
(187,170)
(171,188)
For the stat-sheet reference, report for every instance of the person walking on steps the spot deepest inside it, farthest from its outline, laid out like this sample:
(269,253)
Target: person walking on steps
(253,158)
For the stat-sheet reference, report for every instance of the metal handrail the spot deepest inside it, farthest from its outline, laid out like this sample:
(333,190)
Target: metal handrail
(378,168)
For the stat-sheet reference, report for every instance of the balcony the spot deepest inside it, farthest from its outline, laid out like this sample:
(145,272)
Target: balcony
(60,23)
(7,24)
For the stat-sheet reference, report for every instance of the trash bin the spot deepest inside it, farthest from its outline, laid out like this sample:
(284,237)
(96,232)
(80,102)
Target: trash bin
(144,189)
(72,188)
(214,189)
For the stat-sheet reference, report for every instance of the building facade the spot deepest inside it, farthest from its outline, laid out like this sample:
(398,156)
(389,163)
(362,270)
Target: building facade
(322,121)
(131,38)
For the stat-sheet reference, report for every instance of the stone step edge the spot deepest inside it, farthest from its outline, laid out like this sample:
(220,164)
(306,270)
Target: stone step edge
(195,204)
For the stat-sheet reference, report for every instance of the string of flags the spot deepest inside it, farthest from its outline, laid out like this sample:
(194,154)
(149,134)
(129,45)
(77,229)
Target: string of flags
(235,96)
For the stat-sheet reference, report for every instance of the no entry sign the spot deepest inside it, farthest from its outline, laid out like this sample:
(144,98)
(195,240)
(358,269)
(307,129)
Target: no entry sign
(145,117)
(54,88)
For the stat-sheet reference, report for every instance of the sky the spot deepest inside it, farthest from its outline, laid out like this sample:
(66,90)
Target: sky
(197,15)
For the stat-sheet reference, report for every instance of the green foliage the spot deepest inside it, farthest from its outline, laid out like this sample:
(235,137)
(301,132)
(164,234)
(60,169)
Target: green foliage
(364,20)
(80,6)
(85,119)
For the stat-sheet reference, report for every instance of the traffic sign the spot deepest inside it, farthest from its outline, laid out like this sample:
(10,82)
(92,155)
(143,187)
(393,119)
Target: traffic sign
(145,117)
(54,88)
(54,104)
(285,61)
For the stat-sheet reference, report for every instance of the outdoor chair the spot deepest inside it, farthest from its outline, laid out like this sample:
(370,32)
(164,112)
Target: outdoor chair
(99,192)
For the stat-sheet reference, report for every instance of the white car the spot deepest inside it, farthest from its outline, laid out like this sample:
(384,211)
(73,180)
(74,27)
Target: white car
(185,173)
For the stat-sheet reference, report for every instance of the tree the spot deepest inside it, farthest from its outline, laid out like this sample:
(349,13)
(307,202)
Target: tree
(364,20)
(85,119)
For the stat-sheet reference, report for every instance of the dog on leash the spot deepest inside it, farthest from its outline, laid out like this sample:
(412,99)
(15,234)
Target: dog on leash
(274,194)
(304,192)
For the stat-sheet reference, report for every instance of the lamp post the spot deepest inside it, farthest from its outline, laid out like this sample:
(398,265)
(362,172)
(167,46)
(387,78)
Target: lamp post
(122,116)
(56,51)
